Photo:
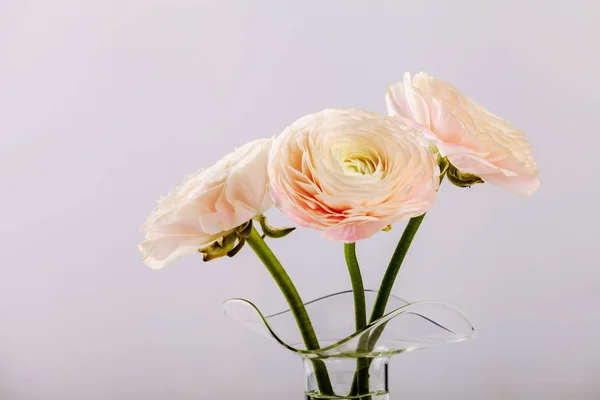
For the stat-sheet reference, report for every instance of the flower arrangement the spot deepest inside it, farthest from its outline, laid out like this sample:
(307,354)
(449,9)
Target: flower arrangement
(349,173)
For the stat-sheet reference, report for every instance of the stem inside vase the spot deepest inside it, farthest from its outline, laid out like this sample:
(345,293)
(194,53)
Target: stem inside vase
(342,371)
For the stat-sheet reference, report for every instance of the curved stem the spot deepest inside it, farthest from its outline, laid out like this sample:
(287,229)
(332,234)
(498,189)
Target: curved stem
(387,283)
(293,299)
(360,384)
(383,295)
(358,289)
(393,268)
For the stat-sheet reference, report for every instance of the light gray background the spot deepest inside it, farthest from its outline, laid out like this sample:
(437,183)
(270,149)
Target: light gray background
(105,105)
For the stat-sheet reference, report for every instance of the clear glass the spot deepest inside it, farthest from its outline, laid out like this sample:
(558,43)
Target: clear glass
(356,362)
(342,373)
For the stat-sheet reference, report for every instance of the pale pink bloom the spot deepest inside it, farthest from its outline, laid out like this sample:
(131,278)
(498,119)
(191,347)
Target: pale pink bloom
(350,173)
(474,140)
(208,204)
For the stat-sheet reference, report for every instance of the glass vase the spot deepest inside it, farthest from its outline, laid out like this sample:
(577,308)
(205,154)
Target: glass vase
(351,364)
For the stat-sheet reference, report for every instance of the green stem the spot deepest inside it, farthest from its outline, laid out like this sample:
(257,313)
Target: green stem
(383,295)
(360,385)
(393,268)
(360,307)
(293,299)
(391,273)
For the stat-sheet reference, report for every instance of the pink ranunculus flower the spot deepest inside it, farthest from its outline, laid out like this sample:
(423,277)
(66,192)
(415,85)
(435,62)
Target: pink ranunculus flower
(350,173)
(208,204)
(474,140)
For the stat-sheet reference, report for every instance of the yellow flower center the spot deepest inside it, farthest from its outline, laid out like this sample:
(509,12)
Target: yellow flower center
(360,163)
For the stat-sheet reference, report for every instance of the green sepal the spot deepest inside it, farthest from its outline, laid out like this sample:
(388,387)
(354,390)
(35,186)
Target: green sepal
(461,179)
(271,232)
(443,163)
(245,229)
(219,248)
(238,247)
